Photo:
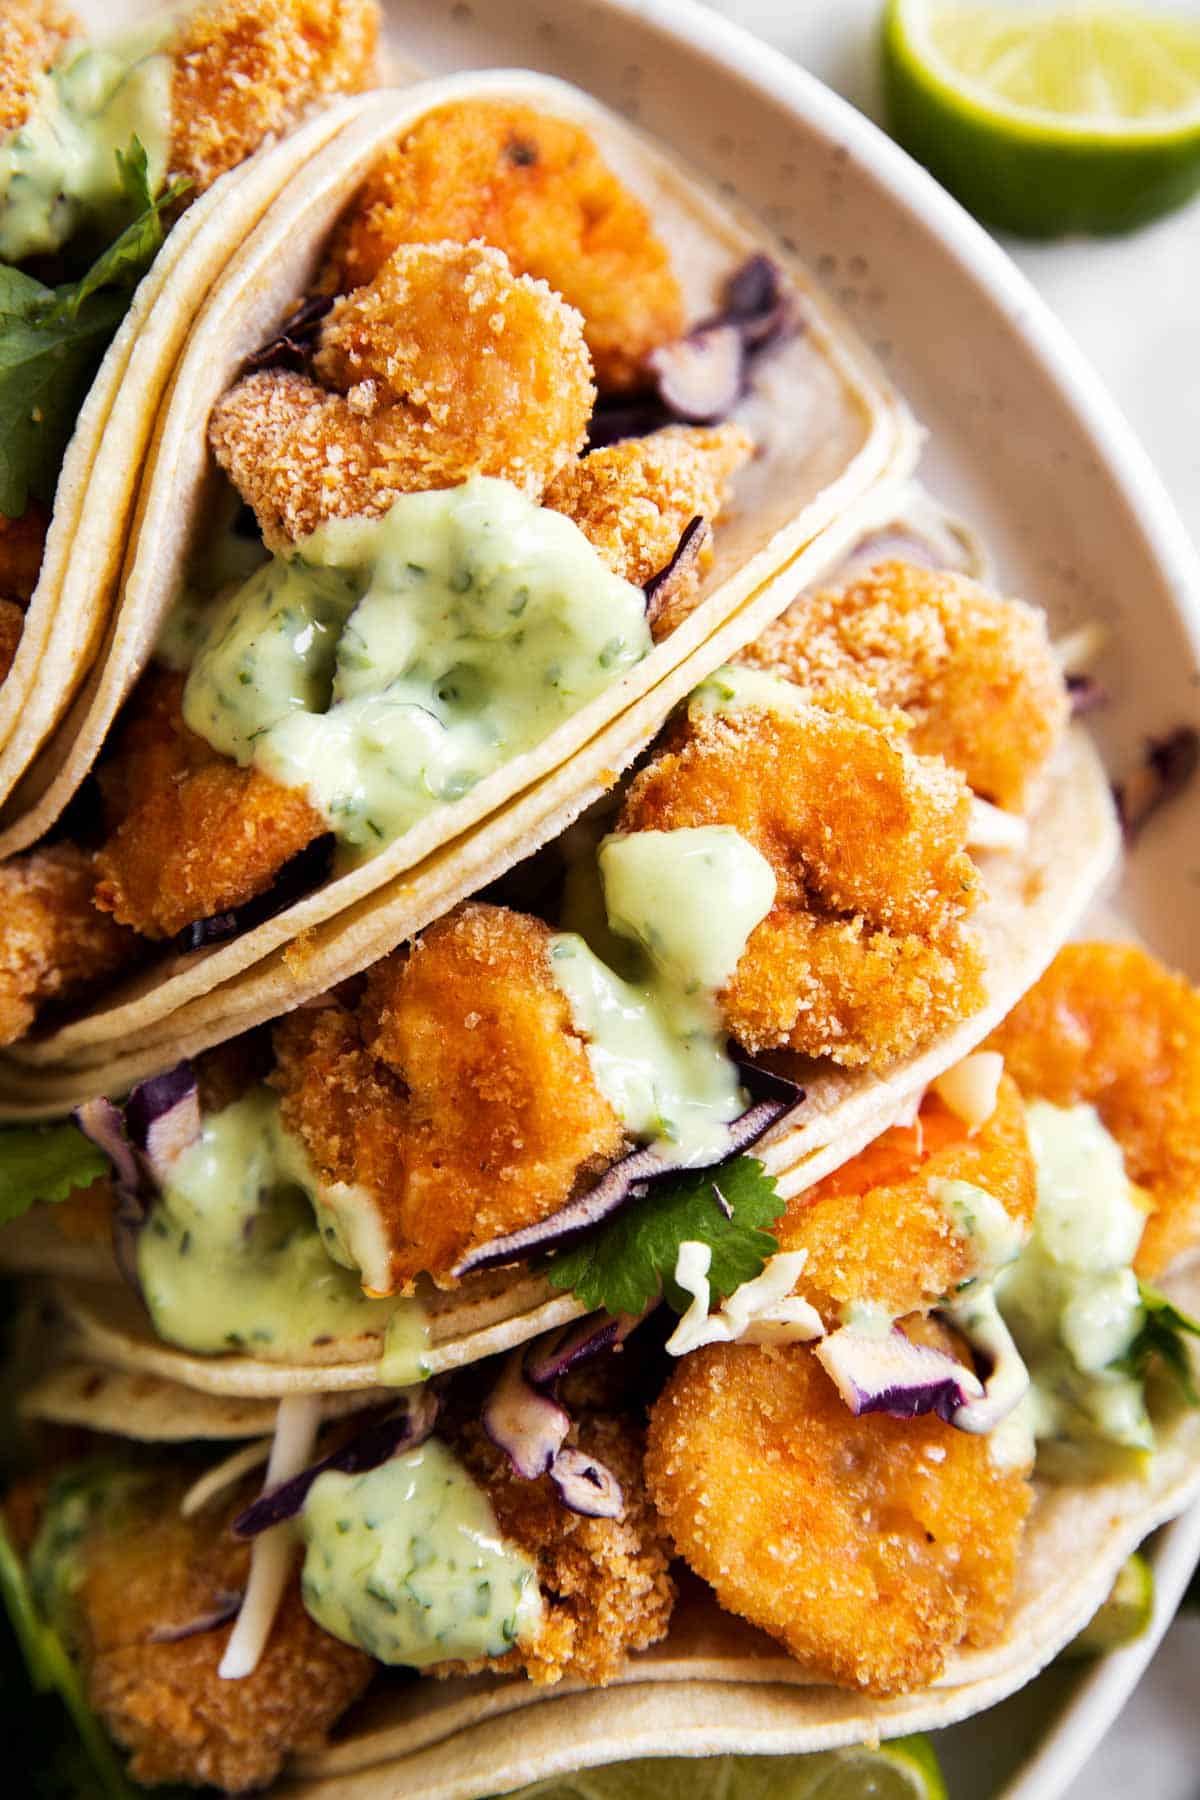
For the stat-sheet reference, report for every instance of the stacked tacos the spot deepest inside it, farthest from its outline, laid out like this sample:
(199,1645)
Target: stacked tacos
(732,427)
(653,1222)
(598,1213)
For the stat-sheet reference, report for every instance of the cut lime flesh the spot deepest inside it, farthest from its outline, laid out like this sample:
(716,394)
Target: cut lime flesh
(1048,120)
(904,1770)
(1124,1616)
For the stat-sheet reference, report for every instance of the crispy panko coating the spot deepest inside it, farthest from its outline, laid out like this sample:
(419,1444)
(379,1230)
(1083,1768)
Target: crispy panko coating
(446,366)
(192,834)
(875,1230)
(22,542)
(246,70)
(1109,1025)
(864,953)
(54,944)
(32,32)
(538,189)
(605,1582)
(870,1547)
(12,624)
(975,674)
(457,1091)
(633,500)
(146,1568)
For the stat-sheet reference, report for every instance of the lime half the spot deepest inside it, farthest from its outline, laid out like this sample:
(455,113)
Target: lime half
(1048,119)
(903,1770)
(1123,1616)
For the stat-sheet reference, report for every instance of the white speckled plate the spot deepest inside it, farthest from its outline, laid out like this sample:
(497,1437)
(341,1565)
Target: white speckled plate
(1024,442)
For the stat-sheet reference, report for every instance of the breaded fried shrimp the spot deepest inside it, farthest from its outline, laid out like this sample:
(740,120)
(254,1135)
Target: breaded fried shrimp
(864,952)
(537,188)
(245,70)
(605,1583)
(869,1546)
(192,834)
(32,32)
(146,1567)
(445,366)
(633,500)
(457,1092)
(974,673)
(878,1231)
(54,944)
(1108,1025)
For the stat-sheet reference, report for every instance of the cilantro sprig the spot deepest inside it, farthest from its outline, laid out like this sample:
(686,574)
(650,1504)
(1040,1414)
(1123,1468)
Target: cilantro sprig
(1162,1338)
(53,339)
(45,1162)
(629,1261)
(51,1671)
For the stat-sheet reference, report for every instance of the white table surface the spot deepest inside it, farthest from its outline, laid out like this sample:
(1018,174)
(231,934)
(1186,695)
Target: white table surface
(1133,303)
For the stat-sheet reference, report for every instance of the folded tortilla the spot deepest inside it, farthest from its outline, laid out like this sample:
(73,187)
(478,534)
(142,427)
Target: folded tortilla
(64,636)
(715,1685)
(835,443)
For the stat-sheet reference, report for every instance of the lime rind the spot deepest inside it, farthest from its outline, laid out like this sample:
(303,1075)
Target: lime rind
(905,1769)
(1123,1617)
(1036,170)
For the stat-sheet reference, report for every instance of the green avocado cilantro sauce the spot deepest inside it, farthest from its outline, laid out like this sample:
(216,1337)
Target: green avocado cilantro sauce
(73,1503)
(60,170)
(685,902)
(733,688)
(390,664)
(1071,1299)
(407,1562)
(232,1255)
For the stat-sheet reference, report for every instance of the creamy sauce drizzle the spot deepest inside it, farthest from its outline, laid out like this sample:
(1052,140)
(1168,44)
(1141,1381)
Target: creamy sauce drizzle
(59,170)
(247,1250)
(685,902)
(390,664)
(734,688)
(1071,1298)
(407,1562)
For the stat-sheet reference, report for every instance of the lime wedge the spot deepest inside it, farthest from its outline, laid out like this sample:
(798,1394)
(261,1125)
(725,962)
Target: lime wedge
(1123,1616)
(1051,118)
(903,1770)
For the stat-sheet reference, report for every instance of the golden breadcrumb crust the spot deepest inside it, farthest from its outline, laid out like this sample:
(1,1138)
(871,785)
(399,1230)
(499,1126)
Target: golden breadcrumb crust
(191,833)
(456,1092)
(246,70)
(55,945)
(32,32)
(975,673)
(864,953)
(605,1583)
(445,366)
(538,189)
(1109,1025)
(876,1230)
(869,1546)
(633,500)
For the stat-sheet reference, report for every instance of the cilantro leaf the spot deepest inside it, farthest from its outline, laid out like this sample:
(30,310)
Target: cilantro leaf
(630,1260)
(51,1671)
(46,367)
(52,341)
(45,1162)
(1162,1337)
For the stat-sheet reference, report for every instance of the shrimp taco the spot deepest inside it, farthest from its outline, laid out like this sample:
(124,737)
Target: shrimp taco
(129,169)
(864,1471)
(495,424)
(753,954)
